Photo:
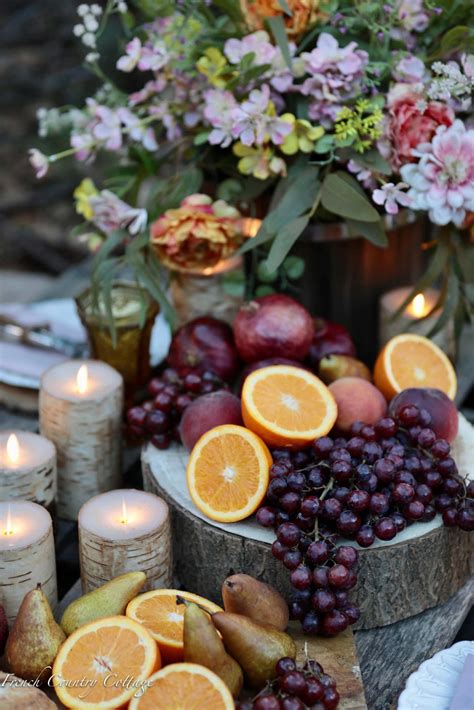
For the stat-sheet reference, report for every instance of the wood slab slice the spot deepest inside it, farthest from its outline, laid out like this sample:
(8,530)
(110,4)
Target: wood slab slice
(422,567)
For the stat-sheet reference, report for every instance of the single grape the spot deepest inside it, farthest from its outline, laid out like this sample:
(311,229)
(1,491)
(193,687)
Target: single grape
(161,441)
(384,470)
(155,386)
(310,506)
(408,415)
(323,600)
(447,466)
(414,510)
(379,503)
(327,681)
(424,493)
(320,577)
(292,703)
(334,622)
(452,486)
(372,451)
(413,433)
(368,433)
(470,489)
(403,493)
(281,455)
(429,513)
(347,556)
(280,468)
(304,523)
(363,472)
(465,519)
(386,427)
(340,442)
(365,536)
(385,529)
(244,705)
(285,665)
(303,596)
(339,455)
(267,702)
(157,422)
(182,402)
(277,487)
(342,598)
(405,477)
(297,611)
(338,576)
(281,517)
(288,534)
(356,428)
(318,477)
(296,481)
(317,553)
(331,699)
(304,543)
(348,522)
(352,613)
(440,449)
(442,502)
(355,445)
(301,577)
(193,383)
(300,458)
(163,402)
(311,623)
(322,447)
(278,550)
(433,479)
(426,438)
(136,416)
(341,470)
(425,418)
(290,502)
(314,691)
(399,520)
(292,559)
(413,464)
(358,500)
(331,508)
(266,517)
(293,683)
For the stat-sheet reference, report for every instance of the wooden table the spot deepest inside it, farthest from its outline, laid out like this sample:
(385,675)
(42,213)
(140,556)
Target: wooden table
(387,655)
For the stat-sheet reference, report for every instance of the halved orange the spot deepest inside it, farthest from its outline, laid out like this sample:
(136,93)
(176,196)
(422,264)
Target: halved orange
(409,360)
(287,406)
(184,686)
(94,665)
(228,473)
(161,615)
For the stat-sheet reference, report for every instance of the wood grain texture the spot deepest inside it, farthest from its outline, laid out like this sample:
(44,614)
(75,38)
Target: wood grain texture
(396,581)
(102,560)
(22,569)
(87,436)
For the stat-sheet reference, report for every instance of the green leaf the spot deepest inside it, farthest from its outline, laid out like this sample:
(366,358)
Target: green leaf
(284,241)
(455,39)
(265,275)
(229,190)
(294,267)
(112,242)
(450,303)
(278,30)
(341,197)
(372,160)
(285,7)
(373,231)
(324,144)
(436,266)
(264,291)
(201,138)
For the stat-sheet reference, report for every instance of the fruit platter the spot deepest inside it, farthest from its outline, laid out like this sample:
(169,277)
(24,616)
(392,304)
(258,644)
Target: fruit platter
(309,496)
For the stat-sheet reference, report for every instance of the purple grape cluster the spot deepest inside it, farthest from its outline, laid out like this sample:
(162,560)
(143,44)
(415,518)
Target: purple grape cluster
(296,688)
(369,485)
(158,417)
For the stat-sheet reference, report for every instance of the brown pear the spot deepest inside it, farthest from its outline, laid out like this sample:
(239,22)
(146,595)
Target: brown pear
(34,639)
(203,645)
(243,594)
(255,647)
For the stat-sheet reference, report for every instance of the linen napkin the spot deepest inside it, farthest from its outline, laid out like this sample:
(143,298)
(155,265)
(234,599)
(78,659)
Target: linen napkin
(464,695)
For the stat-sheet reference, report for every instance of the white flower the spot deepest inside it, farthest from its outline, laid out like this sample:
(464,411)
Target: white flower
(89,39)
(391,196)
(136,130)
(90,23)
(92,57)
(96,9)
(78,30)
(122,7)
(39,161)
(83,10)
(111,213)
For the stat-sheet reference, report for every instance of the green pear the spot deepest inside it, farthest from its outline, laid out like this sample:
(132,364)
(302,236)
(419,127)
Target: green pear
(203,645)
(255,647)
(34,639)
(333,367)
(110,599)
(243,594)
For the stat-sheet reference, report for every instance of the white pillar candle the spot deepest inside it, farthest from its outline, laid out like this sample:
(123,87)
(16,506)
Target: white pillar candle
(125,531)
(410,320)
(27,468)
(81,413)
(26,554)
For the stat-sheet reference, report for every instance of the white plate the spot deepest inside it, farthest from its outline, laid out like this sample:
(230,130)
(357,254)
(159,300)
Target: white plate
(62,316)
(433,685)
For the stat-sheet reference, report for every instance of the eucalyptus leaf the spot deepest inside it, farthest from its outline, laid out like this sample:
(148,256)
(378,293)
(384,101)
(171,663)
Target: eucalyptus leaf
(373,231)
(455,39)
(284,241)
(450,304)
(278,30)
(285,7)
(324,144)
(342,197)
(372,160)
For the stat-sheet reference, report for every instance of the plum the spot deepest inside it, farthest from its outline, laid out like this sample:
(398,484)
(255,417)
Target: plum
(357,400)
(443,412)
(207,412)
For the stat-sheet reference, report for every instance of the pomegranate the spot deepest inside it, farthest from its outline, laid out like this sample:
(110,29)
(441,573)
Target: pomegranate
(273,326)
(204,344)
(207,412)
(329,339)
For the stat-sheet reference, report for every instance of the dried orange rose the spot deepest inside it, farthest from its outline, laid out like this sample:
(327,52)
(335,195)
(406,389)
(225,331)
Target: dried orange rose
(198,234)
(304,13)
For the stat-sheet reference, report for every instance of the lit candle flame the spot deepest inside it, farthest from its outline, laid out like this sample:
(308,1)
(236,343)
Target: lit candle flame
(13,449)
(9,527)
(418,305)
(124,518)
(82,379)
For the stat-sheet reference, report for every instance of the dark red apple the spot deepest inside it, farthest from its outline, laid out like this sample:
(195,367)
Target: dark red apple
(205,344)
(444,415)
(273,326)
(207,412)
(329,339)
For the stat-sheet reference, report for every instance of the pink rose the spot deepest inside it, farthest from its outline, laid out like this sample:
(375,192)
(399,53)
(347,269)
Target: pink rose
(413,120)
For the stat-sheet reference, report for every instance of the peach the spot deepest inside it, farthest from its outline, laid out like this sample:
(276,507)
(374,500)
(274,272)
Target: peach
(357,400)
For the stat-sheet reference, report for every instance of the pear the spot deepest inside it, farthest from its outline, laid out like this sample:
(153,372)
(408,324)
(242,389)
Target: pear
(34,639)
(203,645)
(243,594)
(3,630)
(333,367)
(255,647)
(15,694)
(110,599)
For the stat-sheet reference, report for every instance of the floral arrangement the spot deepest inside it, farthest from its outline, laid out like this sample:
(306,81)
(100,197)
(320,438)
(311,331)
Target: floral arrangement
(288,110)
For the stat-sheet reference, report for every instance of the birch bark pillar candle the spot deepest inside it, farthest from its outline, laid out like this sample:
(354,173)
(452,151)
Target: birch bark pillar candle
(125,531)
(413,319)
(27,468)
(81,413)
(26,554)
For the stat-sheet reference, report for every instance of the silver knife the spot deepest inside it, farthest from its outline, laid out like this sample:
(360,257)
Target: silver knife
(41,338)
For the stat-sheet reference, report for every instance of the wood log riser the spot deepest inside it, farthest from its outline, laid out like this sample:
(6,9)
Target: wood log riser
(394,582)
